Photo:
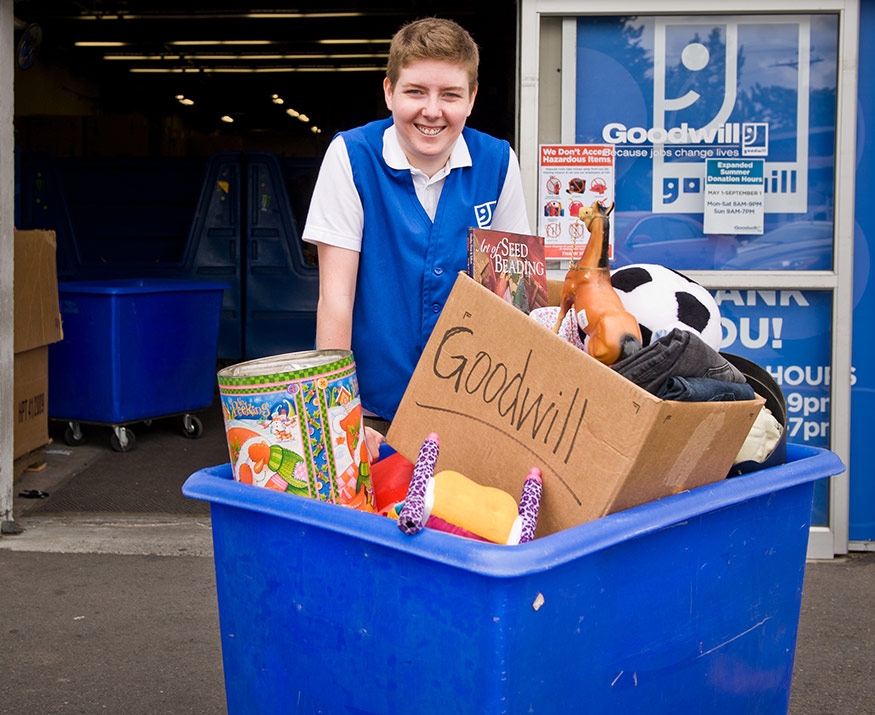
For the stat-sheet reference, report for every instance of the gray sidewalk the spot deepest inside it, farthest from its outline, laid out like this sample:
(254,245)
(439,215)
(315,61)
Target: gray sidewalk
(117,613)
(109,633)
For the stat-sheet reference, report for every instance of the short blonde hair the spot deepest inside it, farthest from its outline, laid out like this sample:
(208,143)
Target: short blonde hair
(433,38)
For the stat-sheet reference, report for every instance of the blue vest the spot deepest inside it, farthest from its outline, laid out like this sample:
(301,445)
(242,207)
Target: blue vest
(408,264)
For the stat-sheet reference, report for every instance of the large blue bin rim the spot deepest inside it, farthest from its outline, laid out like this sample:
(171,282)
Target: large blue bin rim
(804,464)
(127,286)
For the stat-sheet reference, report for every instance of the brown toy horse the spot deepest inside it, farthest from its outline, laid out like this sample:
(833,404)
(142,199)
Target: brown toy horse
(613,331)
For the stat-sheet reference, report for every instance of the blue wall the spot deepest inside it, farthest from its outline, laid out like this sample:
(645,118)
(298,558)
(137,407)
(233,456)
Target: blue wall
(862,466)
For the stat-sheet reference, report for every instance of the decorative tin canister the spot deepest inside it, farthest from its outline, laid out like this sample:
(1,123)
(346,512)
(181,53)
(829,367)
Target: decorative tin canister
(294,424)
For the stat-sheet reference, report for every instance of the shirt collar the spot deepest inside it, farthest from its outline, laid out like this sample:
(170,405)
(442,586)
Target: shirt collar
(394,156)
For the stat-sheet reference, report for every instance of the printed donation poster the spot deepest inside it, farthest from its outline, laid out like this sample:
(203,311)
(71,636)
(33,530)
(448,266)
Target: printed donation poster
(570,177)
(734,196)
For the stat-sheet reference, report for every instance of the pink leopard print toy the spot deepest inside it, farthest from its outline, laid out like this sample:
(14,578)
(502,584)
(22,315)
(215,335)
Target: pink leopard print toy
(449,501)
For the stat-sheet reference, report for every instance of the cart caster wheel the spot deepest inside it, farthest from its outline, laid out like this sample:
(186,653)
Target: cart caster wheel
(192,427)
(122,440)
(74,436)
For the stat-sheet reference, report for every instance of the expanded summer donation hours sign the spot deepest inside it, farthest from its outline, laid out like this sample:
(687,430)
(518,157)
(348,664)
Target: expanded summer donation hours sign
(734,196)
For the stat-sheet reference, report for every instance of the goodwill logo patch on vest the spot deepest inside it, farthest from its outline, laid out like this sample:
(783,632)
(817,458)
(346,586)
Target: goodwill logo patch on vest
(483,212)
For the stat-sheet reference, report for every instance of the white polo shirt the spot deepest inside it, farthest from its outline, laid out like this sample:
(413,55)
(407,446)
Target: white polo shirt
(336,216)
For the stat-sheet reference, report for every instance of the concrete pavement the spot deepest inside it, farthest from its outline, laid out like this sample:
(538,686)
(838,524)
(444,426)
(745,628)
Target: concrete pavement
(108,633)
(124,535)
(107,613)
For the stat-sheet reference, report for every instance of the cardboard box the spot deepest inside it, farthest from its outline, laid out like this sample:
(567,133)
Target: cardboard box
(37,317)
(37,322)
(30,395)
(505,394)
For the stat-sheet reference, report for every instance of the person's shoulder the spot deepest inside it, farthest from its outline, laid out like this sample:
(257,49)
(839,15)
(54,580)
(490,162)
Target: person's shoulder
(480,144)
(371,129)
(475,136)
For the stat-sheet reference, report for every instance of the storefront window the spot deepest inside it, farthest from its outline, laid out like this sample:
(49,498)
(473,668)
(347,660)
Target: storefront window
(788,333)
(673,94)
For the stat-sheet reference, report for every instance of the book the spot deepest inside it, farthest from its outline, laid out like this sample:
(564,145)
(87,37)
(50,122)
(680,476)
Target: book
(511,265)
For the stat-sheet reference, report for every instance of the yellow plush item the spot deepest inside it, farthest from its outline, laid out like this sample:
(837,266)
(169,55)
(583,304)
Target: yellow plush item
(488,512)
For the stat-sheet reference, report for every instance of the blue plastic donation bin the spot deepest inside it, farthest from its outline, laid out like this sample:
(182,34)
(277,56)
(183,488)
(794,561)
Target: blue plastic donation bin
(134,349)
(686,604)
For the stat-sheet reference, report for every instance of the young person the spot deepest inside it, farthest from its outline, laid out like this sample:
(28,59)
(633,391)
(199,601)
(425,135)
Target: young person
(392,205)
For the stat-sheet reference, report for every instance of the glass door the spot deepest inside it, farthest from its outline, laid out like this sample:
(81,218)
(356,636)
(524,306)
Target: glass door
(692,105)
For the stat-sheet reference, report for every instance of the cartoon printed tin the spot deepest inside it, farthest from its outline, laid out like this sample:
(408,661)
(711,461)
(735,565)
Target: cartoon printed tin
(294,424)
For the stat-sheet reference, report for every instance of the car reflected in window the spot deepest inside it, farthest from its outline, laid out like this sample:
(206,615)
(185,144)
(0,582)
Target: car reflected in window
(797,246)
(678,241)
(672,240)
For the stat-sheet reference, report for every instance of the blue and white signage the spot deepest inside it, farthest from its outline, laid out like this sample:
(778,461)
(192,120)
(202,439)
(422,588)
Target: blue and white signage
(789,334)
(672,93)
(733,196)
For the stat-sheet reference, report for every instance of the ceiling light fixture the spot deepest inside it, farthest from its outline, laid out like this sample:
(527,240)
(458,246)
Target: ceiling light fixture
(242,58)
(354,42)
(132,57)
(222,42)
(299,15)
(215,16)
(251,70)
(228,120)
(297,115)
(142,58)
(164,70)
(85,43)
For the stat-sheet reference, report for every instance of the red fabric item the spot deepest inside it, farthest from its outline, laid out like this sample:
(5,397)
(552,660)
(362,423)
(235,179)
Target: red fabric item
(391,479)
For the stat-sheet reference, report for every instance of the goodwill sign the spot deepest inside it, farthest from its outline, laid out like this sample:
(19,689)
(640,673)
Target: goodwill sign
(685,90)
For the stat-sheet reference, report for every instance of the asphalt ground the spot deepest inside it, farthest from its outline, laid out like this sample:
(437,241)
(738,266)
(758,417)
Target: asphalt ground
(112,608)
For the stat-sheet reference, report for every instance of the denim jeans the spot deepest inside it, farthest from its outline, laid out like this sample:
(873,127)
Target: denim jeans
(679,353)
(703,389)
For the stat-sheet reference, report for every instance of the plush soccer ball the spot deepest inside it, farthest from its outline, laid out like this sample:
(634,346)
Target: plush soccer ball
(662,299)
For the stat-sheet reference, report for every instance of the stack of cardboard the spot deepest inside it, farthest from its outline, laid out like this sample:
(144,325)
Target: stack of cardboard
(37,324)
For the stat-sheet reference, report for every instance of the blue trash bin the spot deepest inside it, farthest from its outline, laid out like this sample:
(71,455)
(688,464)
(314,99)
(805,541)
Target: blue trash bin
(134,349)
(686,604)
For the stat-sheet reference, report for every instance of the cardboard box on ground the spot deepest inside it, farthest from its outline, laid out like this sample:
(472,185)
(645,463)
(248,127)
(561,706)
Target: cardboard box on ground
(505,394)
(37,323)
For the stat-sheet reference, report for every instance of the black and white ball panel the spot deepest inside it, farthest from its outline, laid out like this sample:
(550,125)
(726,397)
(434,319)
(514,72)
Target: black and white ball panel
(662,299)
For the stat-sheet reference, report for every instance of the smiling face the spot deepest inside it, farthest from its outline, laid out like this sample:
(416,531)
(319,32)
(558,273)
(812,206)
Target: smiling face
(429,103)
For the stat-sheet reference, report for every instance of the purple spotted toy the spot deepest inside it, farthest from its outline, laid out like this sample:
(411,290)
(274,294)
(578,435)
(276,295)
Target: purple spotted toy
(449,501)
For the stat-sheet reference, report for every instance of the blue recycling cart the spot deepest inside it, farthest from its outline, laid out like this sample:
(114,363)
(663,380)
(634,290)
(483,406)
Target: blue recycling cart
(134,350)
(686,604)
